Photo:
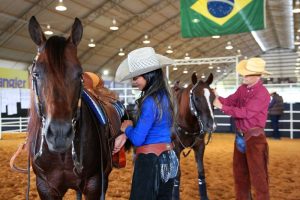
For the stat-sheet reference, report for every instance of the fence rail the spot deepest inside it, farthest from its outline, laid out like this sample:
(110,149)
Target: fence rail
(290,123)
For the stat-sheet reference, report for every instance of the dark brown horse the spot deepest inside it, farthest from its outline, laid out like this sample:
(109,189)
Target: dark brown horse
(69,148)
(194,118)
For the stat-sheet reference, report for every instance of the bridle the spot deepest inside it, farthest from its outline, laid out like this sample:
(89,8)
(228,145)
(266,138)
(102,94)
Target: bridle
(195,113)
(77,164)
(193,109)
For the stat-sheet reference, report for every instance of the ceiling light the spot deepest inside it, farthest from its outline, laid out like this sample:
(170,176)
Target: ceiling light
(187,57)
(114,26)
(239,53)
(195,20)
(60,6)
(105,72)
(175,68)
(296,71)
(297,7)
(92,43)
(185,71)
(298,30)
(210,66)
(121,52)
(215,36)
(229,46)
(169,50)
(146,40)
(48,30)
(218,69)
(185,85)
(245,57)
(202,76)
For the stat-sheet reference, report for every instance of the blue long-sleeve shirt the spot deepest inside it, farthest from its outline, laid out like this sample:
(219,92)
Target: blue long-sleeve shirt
(149,129)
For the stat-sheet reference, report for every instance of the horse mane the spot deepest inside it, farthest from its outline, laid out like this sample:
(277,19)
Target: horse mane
(55,70)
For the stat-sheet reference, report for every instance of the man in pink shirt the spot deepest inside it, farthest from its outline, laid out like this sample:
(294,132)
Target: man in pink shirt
(249,107)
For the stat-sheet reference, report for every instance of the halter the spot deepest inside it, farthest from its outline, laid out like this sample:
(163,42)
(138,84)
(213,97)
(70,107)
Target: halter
(77,164)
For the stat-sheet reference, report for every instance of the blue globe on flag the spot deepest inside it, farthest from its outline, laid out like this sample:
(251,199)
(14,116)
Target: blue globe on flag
(220,8)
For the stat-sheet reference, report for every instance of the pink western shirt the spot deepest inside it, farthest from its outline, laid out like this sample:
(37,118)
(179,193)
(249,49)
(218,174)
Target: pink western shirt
(248,105)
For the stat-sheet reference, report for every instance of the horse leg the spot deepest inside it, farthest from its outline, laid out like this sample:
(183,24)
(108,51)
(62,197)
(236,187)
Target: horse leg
(176,187)
(45,192)
(199,153)
(93,188)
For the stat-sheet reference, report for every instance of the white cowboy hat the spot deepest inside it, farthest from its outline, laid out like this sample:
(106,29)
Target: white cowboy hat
(253,66)
(141,61)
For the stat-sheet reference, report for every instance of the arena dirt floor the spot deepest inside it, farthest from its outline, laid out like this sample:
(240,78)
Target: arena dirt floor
(284,168)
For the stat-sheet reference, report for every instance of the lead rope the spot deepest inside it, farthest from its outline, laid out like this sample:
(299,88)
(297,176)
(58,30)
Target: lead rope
(28,177)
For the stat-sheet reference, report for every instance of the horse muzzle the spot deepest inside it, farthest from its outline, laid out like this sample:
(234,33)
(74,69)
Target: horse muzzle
(59,135)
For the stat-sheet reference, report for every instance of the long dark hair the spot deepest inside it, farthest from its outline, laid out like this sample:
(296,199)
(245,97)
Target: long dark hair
(156,87)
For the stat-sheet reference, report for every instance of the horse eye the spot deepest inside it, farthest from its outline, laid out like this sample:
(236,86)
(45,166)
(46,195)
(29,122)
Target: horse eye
(36,75)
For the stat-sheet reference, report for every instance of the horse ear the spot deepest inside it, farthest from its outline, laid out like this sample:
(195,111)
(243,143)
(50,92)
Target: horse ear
(210,79)
(76,33)
(36,32)
(194,78)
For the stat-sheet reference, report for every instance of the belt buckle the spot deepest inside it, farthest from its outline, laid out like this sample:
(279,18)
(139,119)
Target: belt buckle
(240,133)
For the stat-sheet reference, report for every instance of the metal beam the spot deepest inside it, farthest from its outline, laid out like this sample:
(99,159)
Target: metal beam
(128,24)
(132,45)
(15,26)
(99,11)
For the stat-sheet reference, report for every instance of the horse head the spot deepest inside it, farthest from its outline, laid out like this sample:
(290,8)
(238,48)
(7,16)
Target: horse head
(201,97)
(57,83)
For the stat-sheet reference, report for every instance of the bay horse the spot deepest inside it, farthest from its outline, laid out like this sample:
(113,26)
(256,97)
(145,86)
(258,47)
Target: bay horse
(194,118)
(68,147)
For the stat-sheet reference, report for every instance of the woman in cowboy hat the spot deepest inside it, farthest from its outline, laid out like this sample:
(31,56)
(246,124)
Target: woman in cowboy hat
(249,107)
(156,163)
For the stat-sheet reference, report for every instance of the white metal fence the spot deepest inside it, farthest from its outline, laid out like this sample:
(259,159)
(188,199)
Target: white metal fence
(13,125)
(19,124)
(129,95)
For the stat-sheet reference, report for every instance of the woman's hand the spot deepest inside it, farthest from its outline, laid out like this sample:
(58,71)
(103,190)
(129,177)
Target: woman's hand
(119,143)
(125,124)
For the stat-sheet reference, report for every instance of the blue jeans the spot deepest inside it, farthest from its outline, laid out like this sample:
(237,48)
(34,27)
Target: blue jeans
(275,126)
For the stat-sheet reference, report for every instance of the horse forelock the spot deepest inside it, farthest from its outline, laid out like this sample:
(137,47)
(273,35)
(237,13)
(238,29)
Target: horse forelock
(58,60)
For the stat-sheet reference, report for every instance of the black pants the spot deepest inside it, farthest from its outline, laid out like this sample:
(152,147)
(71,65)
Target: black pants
(146,182)
(275,126)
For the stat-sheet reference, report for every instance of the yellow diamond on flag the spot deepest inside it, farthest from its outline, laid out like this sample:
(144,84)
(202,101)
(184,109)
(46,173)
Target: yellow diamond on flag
(201,6)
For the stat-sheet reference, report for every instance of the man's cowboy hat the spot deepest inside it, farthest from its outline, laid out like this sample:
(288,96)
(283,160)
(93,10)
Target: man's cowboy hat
(141,61)
(253,66)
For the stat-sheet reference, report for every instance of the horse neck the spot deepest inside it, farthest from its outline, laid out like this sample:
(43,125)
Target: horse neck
(184,116)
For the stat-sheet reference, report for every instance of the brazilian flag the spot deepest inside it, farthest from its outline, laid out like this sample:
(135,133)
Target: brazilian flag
(202,18)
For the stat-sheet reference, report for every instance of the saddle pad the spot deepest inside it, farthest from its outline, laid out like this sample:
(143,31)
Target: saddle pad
(98,110)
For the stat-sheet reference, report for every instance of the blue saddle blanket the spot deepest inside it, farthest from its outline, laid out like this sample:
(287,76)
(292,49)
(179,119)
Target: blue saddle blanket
(98,110)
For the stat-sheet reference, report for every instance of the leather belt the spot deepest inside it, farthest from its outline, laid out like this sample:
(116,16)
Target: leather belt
(157,149)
